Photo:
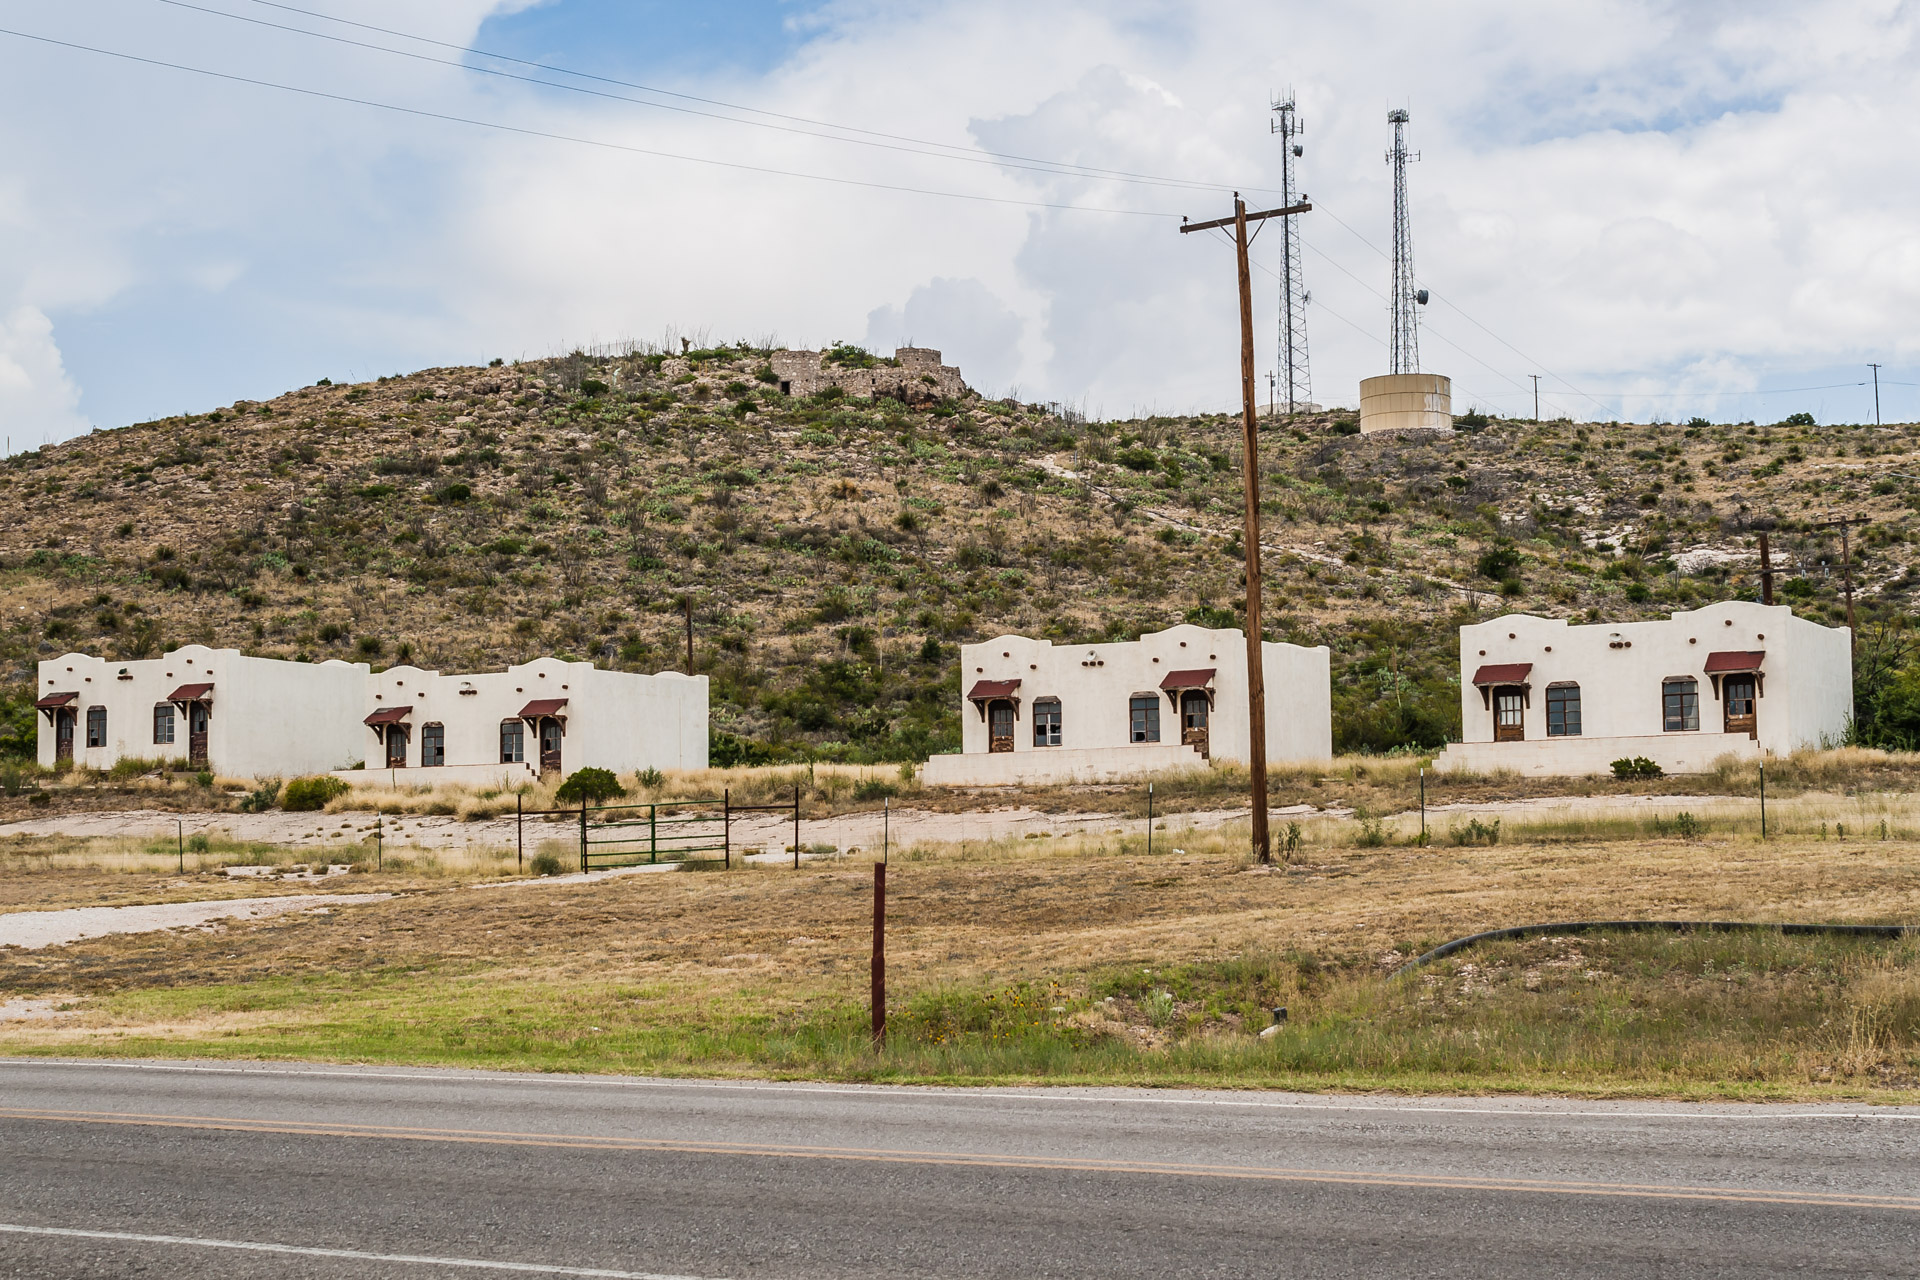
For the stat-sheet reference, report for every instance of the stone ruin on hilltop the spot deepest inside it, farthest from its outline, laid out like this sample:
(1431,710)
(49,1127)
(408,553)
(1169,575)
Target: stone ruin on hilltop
(914,375)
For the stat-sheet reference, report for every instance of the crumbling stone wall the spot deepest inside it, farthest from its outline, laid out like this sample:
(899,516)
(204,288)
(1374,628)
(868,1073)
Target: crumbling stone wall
(916,376)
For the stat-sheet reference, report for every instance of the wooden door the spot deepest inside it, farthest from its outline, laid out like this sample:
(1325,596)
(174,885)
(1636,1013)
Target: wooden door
(1737,694)
(396,746)
(197,732)
(999,726)
(549,745)
(63,720)
(1509,715)
(1193,719)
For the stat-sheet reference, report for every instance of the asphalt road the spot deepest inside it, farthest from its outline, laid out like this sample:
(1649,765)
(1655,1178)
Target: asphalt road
(163,1170)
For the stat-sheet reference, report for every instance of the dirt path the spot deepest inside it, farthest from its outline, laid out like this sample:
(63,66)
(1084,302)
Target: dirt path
(32,930)
(760,833)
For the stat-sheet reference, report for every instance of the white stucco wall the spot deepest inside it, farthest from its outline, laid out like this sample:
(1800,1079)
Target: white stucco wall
(1806,698)
(1095,683)
(271,718)
(614,719)
(266,717)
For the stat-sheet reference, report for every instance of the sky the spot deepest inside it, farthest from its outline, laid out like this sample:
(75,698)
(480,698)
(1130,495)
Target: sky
(1662,209)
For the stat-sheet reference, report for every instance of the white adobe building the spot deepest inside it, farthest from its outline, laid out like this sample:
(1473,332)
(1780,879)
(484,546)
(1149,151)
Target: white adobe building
(262,717)
(1036,712)
(255,717)
(1541,697)
(542,717)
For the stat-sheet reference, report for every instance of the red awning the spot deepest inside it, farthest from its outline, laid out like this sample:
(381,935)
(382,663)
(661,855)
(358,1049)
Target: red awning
(1503,673)
(389,715)
(983,689)
(1735,660)
(1199,679)
(53,700)
(543,707)
(190,693)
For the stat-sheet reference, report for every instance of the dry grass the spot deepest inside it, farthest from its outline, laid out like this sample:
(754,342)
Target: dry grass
(761,970)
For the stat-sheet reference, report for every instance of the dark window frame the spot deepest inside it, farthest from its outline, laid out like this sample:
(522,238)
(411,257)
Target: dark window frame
(1046,722)
(164,726)
(1680,705)
(1143,718)
(1563,710)
(513,742)
(433,745)
(96,726)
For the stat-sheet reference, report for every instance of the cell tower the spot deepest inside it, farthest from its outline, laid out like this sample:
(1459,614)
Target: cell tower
(1403,338)
(1293,291)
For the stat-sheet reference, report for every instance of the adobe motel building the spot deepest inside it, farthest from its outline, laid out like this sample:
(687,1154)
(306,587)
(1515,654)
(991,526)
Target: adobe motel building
(1539,696)
(1036,712)
(262,717)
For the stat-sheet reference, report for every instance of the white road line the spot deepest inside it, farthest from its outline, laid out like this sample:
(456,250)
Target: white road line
(1754,1110)
(261,1246)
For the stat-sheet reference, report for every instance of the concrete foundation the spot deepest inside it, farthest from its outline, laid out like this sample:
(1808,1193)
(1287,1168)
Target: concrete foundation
(1406,402)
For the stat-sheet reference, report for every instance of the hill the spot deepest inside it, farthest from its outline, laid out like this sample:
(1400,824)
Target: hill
(837,550)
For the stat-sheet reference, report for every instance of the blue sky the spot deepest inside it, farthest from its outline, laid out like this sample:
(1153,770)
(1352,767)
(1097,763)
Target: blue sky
(1663,208)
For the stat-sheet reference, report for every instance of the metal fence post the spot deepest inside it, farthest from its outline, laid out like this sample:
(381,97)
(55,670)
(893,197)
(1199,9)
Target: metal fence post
(1763,800)
(886,828)
(1149,819)
(180,843)
(583,833)
(1423,806)
(519,833)
(653,832)
(879,954)
(796,826)
(726,826)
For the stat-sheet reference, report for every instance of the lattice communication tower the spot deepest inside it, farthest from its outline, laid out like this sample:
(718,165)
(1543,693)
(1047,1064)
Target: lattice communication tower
(1403,337)
(1294,376)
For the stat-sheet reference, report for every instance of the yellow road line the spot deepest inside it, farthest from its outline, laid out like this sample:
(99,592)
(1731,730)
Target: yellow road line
(966,1159)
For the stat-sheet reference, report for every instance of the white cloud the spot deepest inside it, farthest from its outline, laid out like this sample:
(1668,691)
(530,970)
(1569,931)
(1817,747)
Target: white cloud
(37,400)
(1641,195)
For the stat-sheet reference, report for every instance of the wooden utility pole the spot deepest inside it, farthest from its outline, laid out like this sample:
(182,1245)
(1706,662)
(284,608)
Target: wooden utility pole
(1250,415)
(1844,525)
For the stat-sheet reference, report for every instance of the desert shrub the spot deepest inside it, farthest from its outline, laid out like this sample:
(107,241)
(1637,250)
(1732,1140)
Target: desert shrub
(591,785)
(305,795)
(650,778)
(1637,767)
(262,798)
(874,789)
(544,864)
(1476,832)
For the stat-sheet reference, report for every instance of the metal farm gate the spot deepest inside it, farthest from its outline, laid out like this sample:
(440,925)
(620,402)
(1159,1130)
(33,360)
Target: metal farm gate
(630,835)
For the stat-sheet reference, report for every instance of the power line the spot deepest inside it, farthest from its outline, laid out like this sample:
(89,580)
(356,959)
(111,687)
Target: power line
(917,147)
(522,131)
(972,153)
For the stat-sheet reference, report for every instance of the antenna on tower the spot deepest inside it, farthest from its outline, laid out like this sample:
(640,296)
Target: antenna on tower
(1403,337)
(1293,290)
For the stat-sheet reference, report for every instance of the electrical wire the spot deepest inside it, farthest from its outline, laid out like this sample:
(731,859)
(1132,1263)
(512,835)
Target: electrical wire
(971,153)
(917,147)
(522,131)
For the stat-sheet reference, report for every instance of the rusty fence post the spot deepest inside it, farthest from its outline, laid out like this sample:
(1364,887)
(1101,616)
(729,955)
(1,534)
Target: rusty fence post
(726,826)
(879,955)
(796,826)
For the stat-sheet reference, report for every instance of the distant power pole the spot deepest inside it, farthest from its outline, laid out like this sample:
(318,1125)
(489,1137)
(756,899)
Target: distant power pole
(1876,393)
(1844,525)
(1403,335)
(1293,287)
(1250,466)
(1536,395)
(1272,380)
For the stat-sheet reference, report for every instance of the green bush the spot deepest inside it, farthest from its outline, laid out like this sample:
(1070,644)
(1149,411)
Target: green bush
(874,789)
(545,864)
(305,795)
(591,785)
(1476,832)
(263,797)
(1637,767)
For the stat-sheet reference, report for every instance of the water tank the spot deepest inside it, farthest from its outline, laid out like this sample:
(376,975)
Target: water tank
(1406,402)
